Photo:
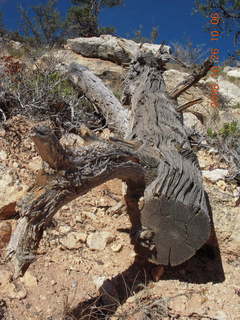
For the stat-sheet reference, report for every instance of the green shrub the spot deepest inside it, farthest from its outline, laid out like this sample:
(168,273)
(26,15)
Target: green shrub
(211,133)
(42,93)
(228,129)
(17,52)
(236,106)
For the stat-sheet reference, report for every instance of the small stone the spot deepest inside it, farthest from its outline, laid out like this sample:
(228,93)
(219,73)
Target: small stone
(213,151)
(53,242)
(131,299)
(12,293)
(236,192)
(98,281)
(79,219)
(74,284)
(141,203)
(3,155)
(203,163)
(99,240)
(222,185)
(45,234)
(53,282)
(100,212)
(220,315)
(6,179)
(74,240)
(190,120)
(29,280)
(90,215)
(2,133)
(9,193)
(66,207)
(116,247)
(35,164)
(102,201)
(23,171)
(215,175)
(64,229)
(15,165)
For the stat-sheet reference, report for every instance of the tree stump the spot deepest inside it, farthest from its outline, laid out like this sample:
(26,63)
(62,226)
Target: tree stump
(165,198)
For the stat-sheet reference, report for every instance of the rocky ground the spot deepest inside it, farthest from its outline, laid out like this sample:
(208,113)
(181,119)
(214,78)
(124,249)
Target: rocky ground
(87,250)
(88,245)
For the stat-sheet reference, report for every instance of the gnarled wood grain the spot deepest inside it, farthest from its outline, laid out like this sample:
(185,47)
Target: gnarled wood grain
(175,209)
(85,169)
(158,165)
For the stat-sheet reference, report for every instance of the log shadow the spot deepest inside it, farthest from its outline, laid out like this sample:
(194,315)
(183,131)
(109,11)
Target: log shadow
(204,267)
(114,293)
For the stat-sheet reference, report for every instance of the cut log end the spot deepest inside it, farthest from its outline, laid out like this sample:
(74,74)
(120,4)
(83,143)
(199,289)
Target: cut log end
(179,231)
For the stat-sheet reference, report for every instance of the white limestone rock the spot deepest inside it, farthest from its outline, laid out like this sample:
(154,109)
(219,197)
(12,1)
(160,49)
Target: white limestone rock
(215,175)
(111,48)
(98,240)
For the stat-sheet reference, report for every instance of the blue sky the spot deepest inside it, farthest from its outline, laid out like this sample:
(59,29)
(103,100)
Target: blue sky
(174,19)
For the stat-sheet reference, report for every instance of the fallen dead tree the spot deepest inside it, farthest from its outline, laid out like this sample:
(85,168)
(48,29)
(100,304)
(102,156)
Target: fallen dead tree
(165,199)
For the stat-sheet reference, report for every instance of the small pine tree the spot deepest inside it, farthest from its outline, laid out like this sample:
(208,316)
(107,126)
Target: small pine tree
(44,25)
(81,22)
(139,38)
(83,17)
(154,34)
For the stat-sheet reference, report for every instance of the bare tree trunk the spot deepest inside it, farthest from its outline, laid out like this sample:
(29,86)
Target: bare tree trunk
(175,211)
(157,164)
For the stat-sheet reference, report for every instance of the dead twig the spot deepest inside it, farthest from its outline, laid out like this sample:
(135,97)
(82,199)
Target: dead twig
(185,106)
(192,79)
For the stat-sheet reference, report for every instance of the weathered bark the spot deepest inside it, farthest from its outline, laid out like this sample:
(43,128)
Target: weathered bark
(158,165)
(175,210)
(81,171)
(97,92)
(108,47)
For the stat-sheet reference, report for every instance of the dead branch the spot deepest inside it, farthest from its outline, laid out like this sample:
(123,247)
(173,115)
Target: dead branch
(79,172)
(192,79)
(95,90)
(187,105)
